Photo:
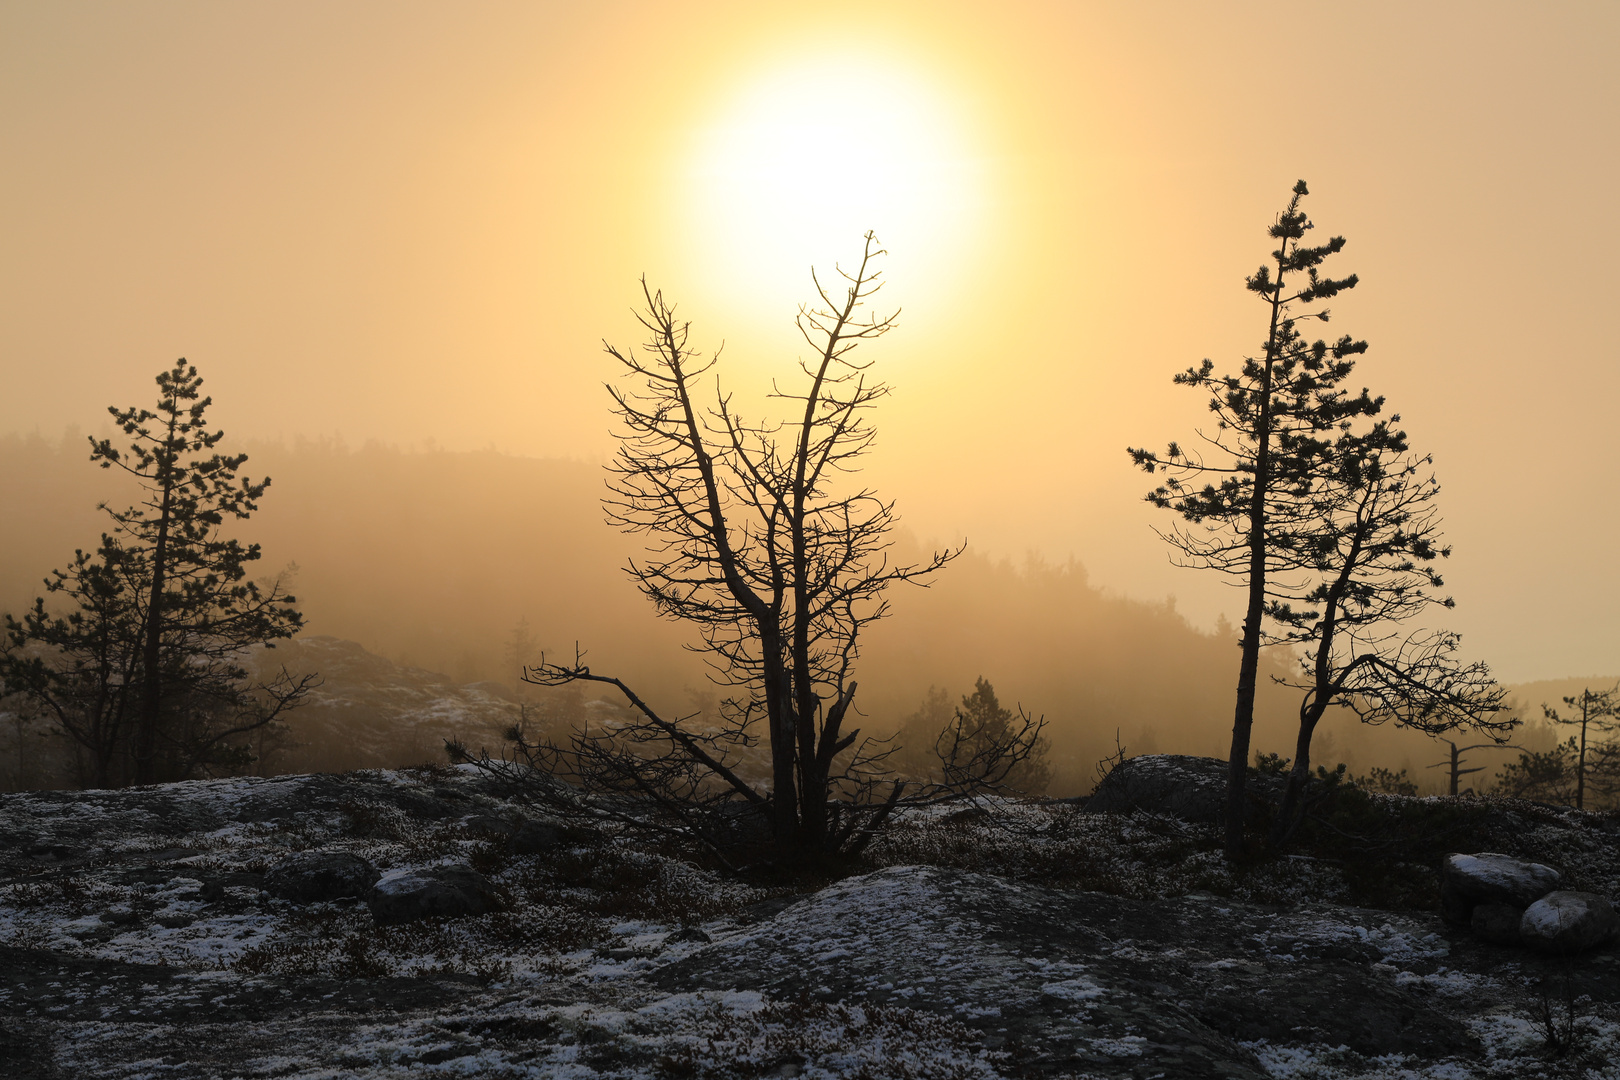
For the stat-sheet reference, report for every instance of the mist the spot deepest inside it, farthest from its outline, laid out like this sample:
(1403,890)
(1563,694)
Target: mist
(433,559)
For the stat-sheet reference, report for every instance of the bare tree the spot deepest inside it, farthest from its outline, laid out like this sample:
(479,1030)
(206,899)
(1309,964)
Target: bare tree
(759,540)
(1454,762)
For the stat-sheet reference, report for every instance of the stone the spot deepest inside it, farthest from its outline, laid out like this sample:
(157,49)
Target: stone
(432,892)
(1046,972)
(1568,922)
(1469,880)
(689,933)
(1190,788)
(310,877)
(1496,923)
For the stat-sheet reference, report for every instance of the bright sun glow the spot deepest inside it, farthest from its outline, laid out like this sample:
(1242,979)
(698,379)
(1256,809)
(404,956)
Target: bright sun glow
(812,155)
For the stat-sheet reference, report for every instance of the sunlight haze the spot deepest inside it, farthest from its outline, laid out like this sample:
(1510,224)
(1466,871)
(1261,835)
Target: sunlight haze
(415,224)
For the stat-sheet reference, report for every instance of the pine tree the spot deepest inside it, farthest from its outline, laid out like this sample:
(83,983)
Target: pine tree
(1595,712)
(1275,424)
(1362,575)
(984,729)
(146,668)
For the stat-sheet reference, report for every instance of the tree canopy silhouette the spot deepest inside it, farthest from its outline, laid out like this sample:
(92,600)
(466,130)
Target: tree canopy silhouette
(144,666)
(1249,494)
(1361,575)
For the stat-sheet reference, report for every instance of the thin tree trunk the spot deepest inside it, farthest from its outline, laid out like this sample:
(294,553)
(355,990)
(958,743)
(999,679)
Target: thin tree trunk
(1580,764)
(1291,810)
(1248,669)
(146,727)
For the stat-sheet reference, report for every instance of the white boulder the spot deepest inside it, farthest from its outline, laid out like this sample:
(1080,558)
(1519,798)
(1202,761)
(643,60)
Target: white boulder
(1490,878)
(1567,922)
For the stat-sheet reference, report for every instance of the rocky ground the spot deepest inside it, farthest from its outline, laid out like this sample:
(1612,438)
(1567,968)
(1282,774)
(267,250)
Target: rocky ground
(136,940)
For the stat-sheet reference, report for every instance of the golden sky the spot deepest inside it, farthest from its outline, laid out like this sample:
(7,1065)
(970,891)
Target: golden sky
(414,222)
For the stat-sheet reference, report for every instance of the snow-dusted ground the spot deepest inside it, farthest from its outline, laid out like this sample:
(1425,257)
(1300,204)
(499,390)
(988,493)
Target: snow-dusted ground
(135,942)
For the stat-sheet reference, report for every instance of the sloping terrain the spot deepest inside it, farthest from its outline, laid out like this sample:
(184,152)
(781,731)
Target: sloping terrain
(369,712)
(135,941)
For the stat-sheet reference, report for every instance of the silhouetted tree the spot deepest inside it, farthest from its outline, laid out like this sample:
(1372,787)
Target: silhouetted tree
(1275,423)
(985,745)
(757,542)
(1544,775)
(1362,566)
(1453,764)
(1386,782)
(1599,713)
(145,670)
(978,744)
(520,651)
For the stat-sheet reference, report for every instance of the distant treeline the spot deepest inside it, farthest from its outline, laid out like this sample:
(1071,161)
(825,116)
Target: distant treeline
(470,563)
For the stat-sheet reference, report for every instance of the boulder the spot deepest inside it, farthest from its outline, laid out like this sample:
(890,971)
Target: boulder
(1568,922)
(432,892)
(1190,788)
(312,876)
(1467,881)
(1496,923)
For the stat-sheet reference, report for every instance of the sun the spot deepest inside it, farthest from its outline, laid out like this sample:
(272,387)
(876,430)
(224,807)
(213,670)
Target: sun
(806,157)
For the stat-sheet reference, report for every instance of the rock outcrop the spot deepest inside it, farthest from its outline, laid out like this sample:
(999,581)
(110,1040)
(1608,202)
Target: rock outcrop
(312,876)
(151,945)
(1489,892)
(432,892)
(1190,788)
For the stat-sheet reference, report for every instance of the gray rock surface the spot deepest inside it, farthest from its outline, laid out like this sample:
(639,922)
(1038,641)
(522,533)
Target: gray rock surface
(432,892)
(622,963)
(1077,978)
(1190,788)
(312,876)
(1568,922)
(1470,880)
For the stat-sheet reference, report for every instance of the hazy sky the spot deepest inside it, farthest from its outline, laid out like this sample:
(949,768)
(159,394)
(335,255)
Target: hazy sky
(415,222)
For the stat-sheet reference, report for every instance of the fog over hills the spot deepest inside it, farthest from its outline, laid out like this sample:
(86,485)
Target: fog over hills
(415,570)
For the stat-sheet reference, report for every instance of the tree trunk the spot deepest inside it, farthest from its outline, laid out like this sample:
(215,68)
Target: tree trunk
(779,715)
(1580,762)
(1237,772)
(1291,812)
(151,706)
